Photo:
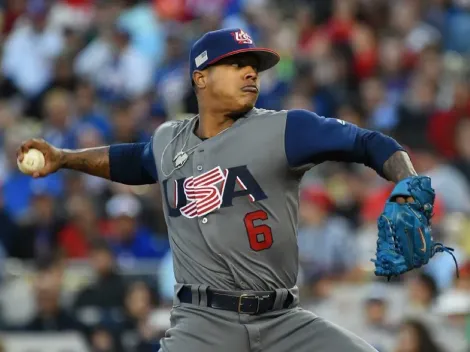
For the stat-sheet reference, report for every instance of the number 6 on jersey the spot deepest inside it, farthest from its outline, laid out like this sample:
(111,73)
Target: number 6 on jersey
(259,236)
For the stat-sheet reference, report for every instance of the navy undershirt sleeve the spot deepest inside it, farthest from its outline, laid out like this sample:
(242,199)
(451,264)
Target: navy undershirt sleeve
(132,163)
(310,138)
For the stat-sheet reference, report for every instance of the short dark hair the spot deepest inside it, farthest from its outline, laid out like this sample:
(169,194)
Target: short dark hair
(47,262)
(423,335)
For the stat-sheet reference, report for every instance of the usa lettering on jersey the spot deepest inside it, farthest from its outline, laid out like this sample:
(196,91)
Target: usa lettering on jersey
(212,190)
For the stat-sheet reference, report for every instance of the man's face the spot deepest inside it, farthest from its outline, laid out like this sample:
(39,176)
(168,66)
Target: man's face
(102,262)
(376,311)
(233,83)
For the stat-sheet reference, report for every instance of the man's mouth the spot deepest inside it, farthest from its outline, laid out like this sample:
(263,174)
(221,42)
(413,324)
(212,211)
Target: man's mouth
(250,89)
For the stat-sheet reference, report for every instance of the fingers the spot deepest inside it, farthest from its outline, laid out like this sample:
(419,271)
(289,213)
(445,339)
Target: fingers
(41,173)
(35,143)
(400,200)
(403,200)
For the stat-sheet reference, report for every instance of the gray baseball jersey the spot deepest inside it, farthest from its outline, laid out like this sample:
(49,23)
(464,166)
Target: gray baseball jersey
(231,209)
(231,206)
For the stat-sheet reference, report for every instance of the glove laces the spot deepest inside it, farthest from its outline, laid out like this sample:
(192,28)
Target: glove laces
(440,248)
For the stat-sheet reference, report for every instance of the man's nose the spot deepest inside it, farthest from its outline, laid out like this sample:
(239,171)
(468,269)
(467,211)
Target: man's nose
(251,74)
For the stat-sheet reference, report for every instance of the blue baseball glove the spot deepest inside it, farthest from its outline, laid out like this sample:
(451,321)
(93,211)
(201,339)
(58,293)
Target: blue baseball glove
(405,241)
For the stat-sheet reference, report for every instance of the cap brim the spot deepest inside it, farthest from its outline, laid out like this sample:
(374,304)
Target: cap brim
(267,58)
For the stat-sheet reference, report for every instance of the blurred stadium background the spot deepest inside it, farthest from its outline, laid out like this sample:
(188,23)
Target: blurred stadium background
(85,264)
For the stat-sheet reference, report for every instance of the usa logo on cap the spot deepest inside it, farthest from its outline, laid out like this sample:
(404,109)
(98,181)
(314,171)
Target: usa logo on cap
(216,45)
(242,37)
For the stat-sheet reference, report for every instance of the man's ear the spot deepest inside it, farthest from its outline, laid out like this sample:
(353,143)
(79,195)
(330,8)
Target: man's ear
(200,79)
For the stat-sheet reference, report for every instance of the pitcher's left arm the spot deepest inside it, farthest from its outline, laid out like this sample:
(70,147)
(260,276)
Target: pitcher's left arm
(310,138)
(405,240)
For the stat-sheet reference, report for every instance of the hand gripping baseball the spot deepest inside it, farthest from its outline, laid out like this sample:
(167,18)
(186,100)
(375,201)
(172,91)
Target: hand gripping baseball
(30,162)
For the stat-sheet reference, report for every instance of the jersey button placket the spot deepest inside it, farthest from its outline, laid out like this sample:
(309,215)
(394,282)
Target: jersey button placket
(198,163)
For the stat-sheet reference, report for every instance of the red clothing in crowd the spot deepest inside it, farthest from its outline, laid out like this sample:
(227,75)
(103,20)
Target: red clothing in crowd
(74,242)
(441,130)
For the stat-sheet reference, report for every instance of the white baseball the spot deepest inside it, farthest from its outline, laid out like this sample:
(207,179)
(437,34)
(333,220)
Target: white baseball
(33,160)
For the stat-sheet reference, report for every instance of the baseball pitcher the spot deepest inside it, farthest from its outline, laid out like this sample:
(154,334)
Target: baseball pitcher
(230,187)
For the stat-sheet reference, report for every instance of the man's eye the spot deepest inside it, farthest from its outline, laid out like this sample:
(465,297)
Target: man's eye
(235,64)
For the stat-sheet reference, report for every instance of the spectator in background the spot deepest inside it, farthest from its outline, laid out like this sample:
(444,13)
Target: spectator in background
(37,236)
(416,108)
(12,10)
(9,228)
(392,58)
(29,53)
(458,25)
(102,339)
(129,239)
(443,124)
(414,336)
(417,34)
(378,330)
(462,147)
(352,112)
(326,251)
(88,113)
(141,330)
(145,29)
(380,113)
(50,315)
(171,78)
(102,301)
(58,119)
(126,127)
(454,309)
(422,294)
(63,79)
(82,229)
(116,68)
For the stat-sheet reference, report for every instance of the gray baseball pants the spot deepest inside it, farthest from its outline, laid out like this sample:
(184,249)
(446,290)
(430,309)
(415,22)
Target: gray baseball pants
(198,328)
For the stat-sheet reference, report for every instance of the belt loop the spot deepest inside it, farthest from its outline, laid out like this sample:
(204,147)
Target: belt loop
(294,291)
(195,298)
(203,295)
(176,299)
(281,296)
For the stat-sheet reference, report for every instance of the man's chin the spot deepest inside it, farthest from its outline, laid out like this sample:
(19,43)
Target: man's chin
(241,111)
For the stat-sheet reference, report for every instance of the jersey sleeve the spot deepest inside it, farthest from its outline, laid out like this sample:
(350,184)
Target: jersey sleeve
(312,139)
(133,163)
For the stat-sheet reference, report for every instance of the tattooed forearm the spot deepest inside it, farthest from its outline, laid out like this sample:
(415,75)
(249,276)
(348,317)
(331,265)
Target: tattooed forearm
(398,167)
(93,161)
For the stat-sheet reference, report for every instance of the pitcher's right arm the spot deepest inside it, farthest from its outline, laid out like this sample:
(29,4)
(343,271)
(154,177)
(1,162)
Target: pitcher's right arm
(128,163)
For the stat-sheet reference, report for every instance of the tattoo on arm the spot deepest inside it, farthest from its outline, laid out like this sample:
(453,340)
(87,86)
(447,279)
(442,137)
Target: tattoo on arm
(93,161)
(398,167)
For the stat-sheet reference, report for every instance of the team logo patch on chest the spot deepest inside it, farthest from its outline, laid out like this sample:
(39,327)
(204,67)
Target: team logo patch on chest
(200,195)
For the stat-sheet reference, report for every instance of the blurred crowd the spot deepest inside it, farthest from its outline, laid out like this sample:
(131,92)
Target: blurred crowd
(85,73)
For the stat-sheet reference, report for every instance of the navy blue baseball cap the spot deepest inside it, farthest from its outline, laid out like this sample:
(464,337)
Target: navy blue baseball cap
(216,45)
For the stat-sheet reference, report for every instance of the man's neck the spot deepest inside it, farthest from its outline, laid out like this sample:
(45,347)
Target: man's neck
(210,125)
